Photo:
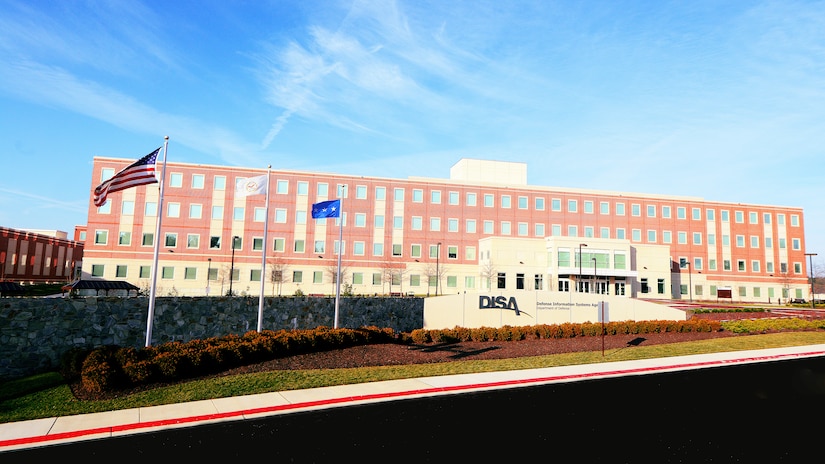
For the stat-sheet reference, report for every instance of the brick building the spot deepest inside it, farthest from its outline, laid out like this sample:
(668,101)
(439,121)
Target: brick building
(37,256)
(483,229)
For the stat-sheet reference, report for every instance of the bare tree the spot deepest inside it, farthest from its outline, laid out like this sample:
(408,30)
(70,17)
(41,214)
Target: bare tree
(332,270)
(392,272)
(488,271)
(277,273)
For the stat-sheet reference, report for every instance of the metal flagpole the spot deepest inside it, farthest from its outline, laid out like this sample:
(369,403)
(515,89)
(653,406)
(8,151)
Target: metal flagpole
(151,313)
(263,254)
(340,252)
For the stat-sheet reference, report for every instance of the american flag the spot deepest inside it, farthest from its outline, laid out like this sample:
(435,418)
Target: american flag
(140,172)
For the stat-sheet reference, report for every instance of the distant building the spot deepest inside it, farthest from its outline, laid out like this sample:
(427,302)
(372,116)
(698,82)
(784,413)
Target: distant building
(483,229)
(38,256)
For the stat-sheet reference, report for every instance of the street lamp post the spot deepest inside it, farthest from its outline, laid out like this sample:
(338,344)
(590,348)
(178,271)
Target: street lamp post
(232,266)
(208,272)
(811,272)
(437,270)
(578,281)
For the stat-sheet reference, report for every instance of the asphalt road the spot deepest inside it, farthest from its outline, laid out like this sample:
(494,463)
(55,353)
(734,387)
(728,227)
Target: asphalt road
(761,412)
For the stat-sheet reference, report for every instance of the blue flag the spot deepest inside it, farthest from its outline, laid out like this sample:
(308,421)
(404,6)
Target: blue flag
(326,209)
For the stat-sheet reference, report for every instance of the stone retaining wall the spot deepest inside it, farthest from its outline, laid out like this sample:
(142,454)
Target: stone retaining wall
(35,332)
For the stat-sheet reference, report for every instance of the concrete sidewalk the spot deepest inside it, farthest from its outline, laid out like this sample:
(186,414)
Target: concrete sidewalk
(55,430)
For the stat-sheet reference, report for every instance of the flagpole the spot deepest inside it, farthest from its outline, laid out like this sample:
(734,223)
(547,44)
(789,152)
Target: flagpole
(263,254)
(340,252)
(151,313)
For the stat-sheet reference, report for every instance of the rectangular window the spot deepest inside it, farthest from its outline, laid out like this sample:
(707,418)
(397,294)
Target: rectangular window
(167,272)
(297,277)
(148,239)
(604,207)
(651,236)
(120,271)
(697,238)
(522,202)
(217,212)
(193,240)
(572,206)
(471,199)
(635,210)
(173,210)
(214,242)
(171,240)
(697,214)
(651,211)
(488,200)
(124,238)
(127,208)
(588,207)
(257,244)
(101,237)
(378,249)
(176,180)
(453,198)
(380,193)
(190,273)
(145,272)
(435,197)
(415,251)
(555,204)
(318,277)
(197,181)
(97,270)
(620,209)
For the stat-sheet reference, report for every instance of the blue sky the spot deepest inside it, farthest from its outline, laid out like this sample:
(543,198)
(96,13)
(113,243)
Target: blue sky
(723,100)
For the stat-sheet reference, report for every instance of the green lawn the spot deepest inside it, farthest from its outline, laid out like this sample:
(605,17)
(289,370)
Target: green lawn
(46,395)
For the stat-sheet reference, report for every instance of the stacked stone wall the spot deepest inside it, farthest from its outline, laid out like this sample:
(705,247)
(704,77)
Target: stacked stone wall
(36,332)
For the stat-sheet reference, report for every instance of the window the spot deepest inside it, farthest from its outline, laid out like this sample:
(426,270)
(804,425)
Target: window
(697,238)
(794,220)
(361,192)
(620,209)
(539,230)
(471,199)
(176,180)
(396,249)
(488,200)
(190,273)
(127,208)
(97,270)
(376,278)
(740,241)
(636,235)
(358,278)
(378,249)
(418,196)
(280,216)
(317,277)
(415,251)
(322,190)
(146,271)
(635,210)
(470,226)
(217,212)
(667,236)
(120,271)
(303,188)
(755,266)
(278,244)
(651,211)
(505,228)
(398,194)
(435,197)
(106,208)
(215,242)
(237,243)
(754,241)
(681,212)
(710,214)
(380,193)
(219,183)
(555,204)
(173,210)
(254,275)
(572,206)
(171,240)
(739,217)
(572,231)
(150,209)
(620,233)
(697,214)
(101,237)
(753,218)
(148,239)
(167,272)
(724,215)
(195,211)
(281,187)
(435,224)
(124,238)
(604,207)
(417,223)
(740,265)
(651,236)
(682,237)
(297,277)
(197,181)
(193,240)
(505,201)
(257,244)
(766,218)
(711,239)
(604,232)
(522,229)
(501,280)
(319,246)
(238,213)
(452,225)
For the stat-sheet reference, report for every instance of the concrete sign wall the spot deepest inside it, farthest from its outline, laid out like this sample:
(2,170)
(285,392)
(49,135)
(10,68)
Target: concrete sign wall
(537,307)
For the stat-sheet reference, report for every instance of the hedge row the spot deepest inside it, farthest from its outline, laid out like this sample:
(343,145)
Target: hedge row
(566,330)
(111,368)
